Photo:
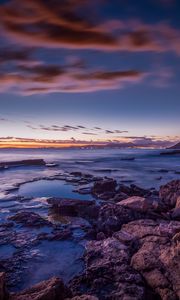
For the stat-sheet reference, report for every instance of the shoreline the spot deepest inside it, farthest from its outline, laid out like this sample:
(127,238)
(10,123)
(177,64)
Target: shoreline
(115,230)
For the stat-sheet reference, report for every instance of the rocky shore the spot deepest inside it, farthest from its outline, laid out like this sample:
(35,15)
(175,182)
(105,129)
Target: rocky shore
(132,242)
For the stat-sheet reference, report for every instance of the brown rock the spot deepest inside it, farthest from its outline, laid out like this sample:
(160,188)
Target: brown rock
(158,257)
(140,204)
(170,192)
(52,289)
(108,274)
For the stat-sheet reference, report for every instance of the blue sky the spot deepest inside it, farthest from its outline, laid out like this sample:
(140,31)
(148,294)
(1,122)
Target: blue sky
(119,70)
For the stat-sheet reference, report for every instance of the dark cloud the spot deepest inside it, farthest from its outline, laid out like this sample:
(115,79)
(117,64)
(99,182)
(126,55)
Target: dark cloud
(52,24)
(43,79)
(7,54)
(79,128)
(89,133)
(65,24)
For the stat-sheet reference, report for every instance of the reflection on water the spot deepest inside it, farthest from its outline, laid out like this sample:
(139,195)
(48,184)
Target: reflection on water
(50,188)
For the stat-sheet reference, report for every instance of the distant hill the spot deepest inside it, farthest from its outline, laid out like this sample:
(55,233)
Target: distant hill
(177,146)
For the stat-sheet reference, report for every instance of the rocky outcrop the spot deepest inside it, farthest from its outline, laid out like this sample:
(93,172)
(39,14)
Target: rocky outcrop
(52,289)
(157,259)
(169,193)
(108,272)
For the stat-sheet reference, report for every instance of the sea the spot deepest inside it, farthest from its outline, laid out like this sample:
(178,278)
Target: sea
(143,167)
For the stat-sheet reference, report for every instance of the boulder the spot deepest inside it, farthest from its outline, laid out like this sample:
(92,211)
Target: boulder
(169,193)
(52,289)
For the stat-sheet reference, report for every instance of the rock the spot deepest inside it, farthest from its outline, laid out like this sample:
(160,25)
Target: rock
(140,204)
(107,195)
(120,196)
(27,162)
(52,289)
(176,214)
(140,229)
(100,236)
(133,190)
(176,211)
(113,216)
(157,259)
(108,274)
(4,295)
(76,174)
(178,202)
(170,192)
(29,219)
(74,207)
(106,185)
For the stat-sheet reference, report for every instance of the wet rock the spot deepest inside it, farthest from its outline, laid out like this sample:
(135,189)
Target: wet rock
(170,192)
(120,196)
(29,219)
(108,273)
(27,162)
(176,214)
(52,289)
(74,207)
(113,216)
(76,174)
(141,204)
(133,190)
(106,185)
(56,235)
(4,295)
(107,195)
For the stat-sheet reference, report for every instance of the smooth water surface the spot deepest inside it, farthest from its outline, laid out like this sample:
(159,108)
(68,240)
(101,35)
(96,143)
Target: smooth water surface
(59,258)
(50,188)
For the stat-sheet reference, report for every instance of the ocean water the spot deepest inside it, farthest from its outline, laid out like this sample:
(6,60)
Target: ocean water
(148,169)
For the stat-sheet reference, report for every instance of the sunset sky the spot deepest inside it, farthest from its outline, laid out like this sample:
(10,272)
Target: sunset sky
(81,71)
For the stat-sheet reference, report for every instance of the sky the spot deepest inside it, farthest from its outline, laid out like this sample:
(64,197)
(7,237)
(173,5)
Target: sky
(79,72)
